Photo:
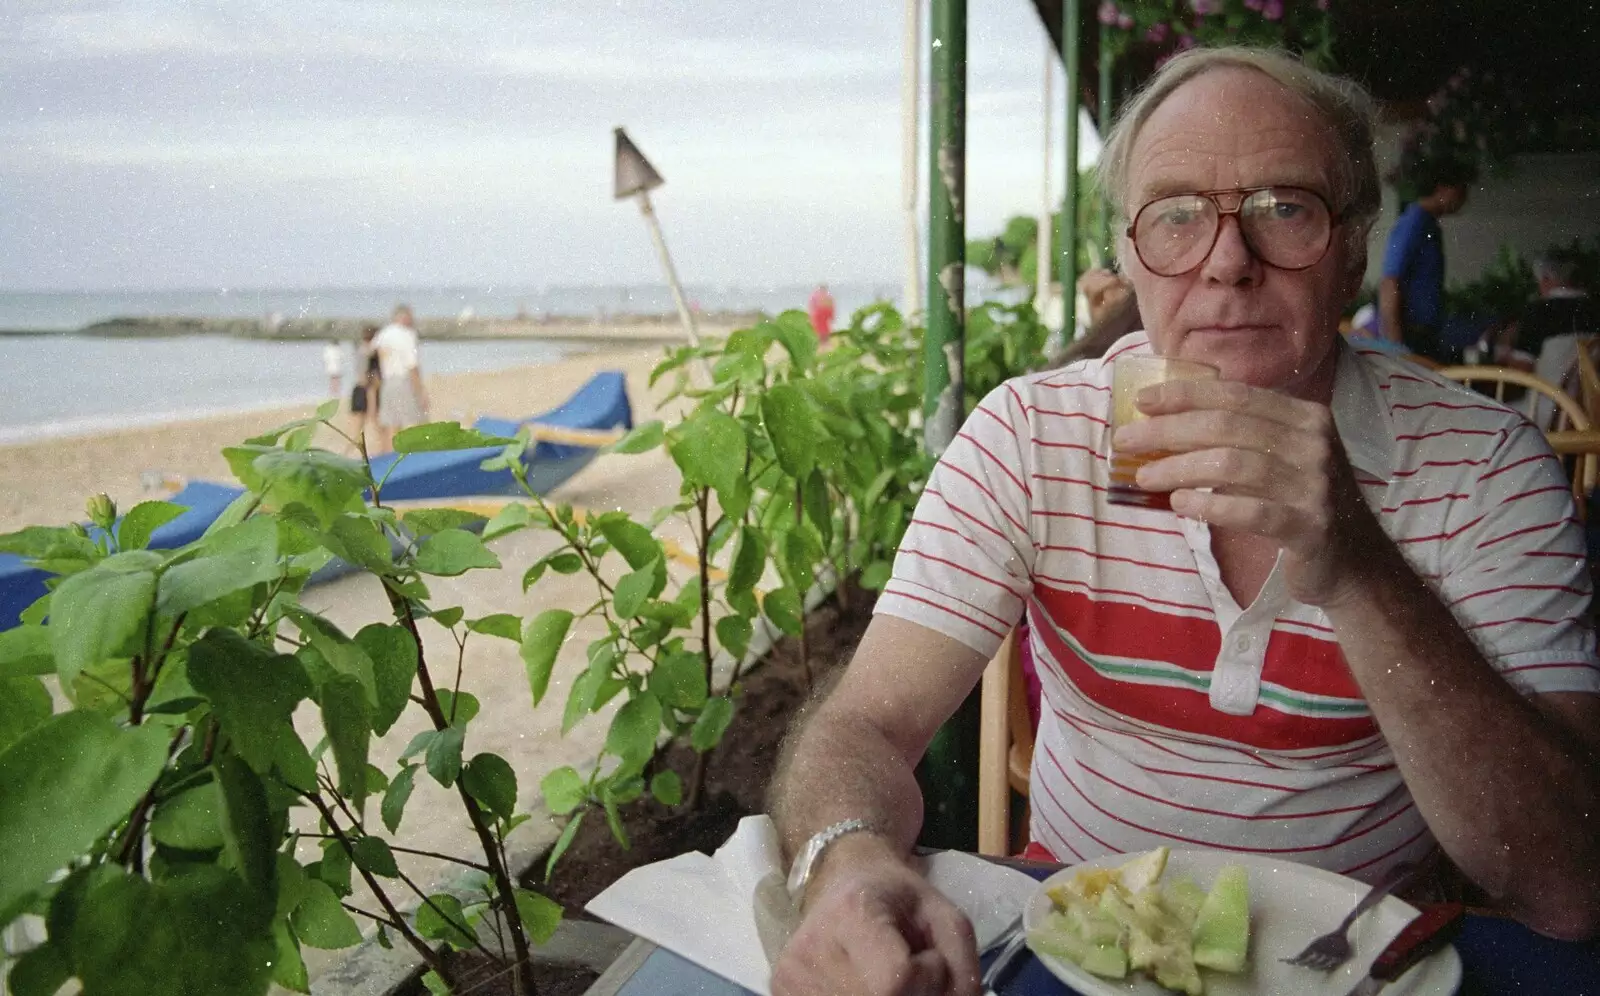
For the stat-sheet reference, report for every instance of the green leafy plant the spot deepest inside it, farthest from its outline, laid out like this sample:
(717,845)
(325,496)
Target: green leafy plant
(152,820)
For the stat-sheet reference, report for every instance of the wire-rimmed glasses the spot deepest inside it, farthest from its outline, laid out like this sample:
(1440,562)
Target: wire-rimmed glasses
(1286,227)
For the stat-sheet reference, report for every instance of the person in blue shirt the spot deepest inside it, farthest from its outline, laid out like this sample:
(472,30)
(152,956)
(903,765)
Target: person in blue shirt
(1411,296)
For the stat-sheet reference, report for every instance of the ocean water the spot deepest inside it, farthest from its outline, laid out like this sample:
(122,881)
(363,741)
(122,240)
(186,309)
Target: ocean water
(57,384)
(65,385)
(52,311)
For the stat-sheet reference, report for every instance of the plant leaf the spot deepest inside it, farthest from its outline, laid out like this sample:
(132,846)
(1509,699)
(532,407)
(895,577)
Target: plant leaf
(876,574)
(542,638)
(395,798)
(713,722)
(667,787)
(818,506)
(25,650)
(253,695)
(444,755)
(229,560)
(96,613)
(459,708)
(143,519)
(24,705)
(191,820)
(441,919)
(288,965)
(733,633)
(568,833)
(644,437)
(427,521)
(563,790)
(394,670)
(323,482)
(634,729)
(511,517)
(630,539)
(357,539)
(679,679)
(448,617)
(249,834)
(65,783)
(502,624)
(490,780)
(793,329)
(540,915)
(709,448)
(783,607)
(791,424)
(453,552)
(434,436)
(321,921)
(631,590)
(749,560)
(347,716)
(372,854)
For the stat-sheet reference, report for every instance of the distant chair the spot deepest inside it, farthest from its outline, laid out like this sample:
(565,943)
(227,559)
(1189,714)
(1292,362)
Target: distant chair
(1568,428)
(1005,749)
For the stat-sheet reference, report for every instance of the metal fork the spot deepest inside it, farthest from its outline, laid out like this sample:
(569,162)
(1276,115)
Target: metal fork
(1332,949)
(1010,942)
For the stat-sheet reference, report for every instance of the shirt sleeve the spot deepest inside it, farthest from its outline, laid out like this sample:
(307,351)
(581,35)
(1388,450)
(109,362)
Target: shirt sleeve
(1516,575)
(965,565)
(1402,245)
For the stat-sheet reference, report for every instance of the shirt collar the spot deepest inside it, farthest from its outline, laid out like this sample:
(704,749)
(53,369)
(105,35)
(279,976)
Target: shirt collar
(1361,413)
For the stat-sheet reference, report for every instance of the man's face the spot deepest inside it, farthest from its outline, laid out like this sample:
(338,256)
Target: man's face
(402,316)
(1235,128)
(1452,198)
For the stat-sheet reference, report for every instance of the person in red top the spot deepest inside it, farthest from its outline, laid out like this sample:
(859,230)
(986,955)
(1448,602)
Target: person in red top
(821,308)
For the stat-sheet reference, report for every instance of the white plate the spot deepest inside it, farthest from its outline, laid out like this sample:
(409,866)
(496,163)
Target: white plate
(1289,905)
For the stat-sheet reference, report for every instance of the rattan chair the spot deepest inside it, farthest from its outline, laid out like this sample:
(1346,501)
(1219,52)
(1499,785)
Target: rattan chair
(1570,429)
(1005,749)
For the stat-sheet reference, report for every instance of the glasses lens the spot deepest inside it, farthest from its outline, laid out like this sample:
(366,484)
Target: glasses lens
(1286,226)
(1173,234)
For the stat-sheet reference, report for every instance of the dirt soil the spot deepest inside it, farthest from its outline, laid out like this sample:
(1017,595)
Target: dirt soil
(737,777)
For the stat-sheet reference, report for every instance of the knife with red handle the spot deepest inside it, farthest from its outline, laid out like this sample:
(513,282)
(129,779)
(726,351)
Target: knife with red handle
(1433,928)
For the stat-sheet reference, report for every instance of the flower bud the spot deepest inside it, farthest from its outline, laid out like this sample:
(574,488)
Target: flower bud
(102,511)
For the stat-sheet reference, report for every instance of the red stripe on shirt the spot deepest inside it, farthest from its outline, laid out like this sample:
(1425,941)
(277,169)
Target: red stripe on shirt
(1091,589)
(1125,349)
(1452,534)
(904,551)
(1002,620)
(1083,415)
(1117,629)
(1076,722)
(1520,587)
(1450,432)
(1068,480)
(1510,466)
(1002,422)
(1438,463)
(1120,560)
(1083,384)
(924,523)
(1103,523)
(1425,501)
(1248,817)
(1310,665)
(958,510)
(1070,446)
(952,468)
(1583,665)
(1524,619)
(1386,855)
(1446,405)
(1525,530)
(1184,708)
(945,608)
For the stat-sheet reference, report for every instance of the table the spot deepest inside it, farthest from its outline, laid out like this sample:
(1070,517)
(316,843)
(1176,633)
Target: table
(1499,957)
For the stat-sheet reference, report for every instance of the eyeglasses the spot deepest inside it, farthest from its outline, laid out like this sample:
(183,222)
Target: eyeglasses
(1286,227)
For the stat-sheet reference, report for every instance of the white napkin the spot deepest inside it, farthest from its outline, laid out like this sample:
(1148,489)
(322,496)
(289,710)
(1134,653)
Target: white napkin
(702,907)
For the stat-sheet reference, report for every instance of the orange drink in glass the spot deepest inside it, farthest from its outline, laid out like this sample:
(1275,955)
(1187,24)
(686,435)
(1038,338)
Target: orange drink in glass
(1129,376)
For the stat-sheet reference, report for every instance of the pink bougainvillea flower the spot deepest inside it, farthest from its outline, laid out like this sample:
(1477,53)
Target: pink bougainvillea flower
(1203,7)
(1322,4)
(1186,42)
(1158,32)
(1125,21)
(1108,12)
(1272,10)
(1254,4)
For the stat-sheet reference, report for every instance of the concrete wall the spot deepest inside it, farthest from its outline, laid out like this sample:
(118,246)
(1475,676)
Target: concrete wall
(1547,199)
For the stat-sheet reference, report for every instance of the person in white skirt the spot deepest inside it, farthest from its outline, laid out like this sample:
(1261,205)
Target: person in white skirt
(403,401)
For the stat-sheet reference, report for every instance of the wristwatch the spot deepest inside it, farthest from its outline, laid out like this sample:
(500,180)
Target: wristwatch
(805,863)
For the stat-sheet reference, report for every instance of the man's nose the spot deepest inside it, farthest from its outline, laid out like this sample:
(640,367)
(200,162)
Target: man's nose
(1231,261)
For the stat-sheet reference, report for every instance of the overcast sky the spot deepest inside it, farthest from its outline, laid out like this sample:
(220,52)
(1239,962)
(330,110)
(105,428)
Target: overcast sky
(248,143)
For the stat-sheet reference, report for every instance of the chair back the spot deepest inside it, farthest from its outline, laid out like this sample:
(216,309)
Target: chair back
(1569,428)
(1589,378)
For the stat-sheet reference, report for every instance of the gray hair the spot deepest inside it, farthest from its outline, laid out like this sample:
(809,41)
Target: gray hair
(1556,268)
(1344,104)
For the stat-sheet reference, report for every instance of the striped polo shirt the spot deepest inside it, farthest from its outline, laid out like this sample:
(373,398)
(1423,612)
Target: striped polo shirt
(1171,714)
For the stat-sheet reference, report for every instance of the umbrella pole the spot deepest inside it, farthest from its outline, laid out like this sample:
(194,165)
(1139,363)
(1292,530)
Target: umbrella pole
(684,314)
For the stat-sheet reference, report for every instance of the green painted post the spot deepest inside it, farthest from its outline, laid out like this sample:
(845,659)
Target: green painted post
(1068,249)
(948,772)
(1102,203)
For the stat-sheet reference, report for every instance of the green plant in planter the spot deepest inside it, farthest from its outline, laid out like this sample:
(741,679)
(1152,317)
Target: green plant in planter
(806,462)
(148,809)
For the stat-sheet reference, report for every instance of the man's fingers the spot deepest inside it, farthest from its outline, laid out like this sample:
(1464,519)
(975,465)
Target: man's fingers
(1182,432)
(1241,512)
(1237,471)
(951,935)
(881,958)
(1231,396)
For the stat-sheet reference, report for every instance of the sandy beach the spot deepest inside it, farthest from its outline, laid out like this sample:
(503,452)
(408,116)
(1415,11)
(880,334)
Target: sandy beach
(48,481)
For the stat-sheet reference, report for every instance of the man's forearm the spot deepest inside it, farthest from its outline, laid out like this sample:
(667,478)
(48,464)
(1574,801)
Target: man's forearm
(1390,310)
(839,767)
(1510,797)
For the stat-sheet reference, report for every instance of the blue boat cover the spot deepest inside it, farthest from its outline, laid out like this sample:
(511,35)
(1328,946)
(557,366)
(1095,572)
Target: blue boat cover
(602,403)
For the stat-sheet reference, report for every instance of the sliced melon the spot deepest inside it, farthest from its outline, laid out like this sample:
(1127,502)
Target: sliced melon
(1106,960)
(1138,874)
(1183,899)
(1175,969)
(1222,927)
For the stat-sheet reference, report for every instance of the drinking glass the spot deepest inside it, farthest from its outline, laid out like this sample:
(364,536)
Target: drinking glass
(1130,375)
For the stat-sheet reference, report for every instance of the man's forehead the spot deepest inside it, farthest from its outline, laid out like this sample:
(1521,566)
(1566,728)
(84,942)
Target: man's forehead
(1231,129)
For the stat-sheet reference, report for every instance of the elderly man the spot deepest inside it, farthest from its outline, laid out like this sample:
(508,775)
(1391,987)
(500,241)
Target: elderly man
(1360,637)
(403,402)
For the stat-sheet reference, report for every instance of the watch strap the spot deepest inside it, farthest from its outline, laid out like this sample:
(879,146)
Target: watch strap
(805,863)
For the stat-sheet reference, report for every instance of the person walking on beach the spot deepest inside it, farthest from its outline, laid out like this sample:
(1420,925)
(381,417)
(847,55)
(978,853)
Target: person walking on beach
(333,366)
(364,394)
(821,309)
(403,401)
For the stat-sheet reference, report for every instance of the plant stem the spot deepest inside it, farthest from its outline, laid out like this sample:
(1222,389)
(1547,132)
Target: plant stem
(805,653)
(130,852)
(429,956)
(521,978)
(697,780)
(465,862)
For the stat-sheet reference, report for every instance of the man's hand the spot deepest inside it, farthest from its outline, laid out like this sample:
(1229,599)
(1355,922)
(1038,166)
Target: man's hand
(877,928)
(1277,469)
